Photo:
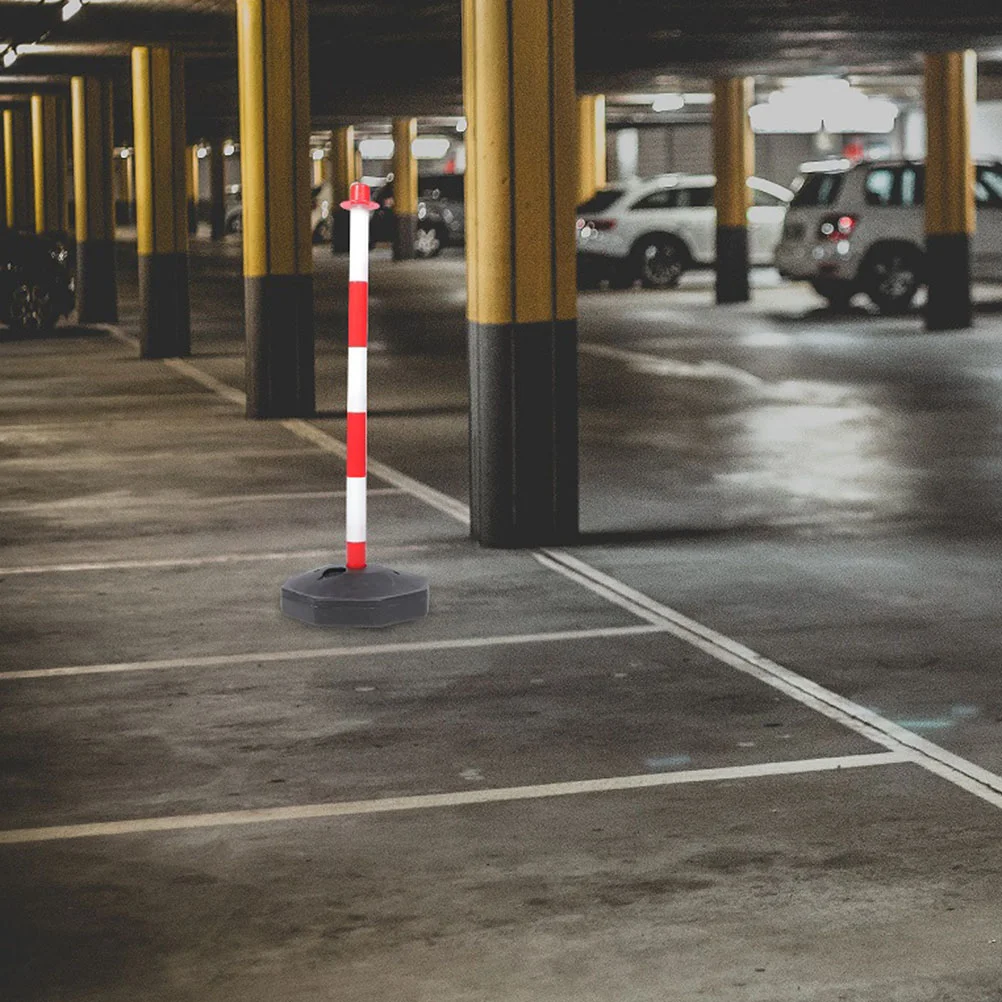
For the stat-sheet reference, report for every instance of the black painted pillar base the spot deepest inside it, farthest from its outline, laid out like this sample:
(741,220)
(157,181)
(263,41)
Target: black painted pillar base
(732,265)
(165,318)
(279,318)
(403,241)
(97,288)
(523,433)
(948,274)
(217,219)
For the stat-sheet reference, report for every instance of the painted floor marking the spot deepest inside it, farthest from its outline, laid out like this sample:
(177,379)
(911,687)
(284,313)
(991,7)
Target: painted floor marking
(959,771)
(368,650)
(220,558)
(658,365)
(303,812)
(103,501)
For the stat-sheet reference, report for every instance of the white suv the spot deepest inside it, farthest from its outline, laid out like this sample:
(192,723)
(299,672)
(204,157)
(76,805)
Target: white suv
(861,228)
(654,230)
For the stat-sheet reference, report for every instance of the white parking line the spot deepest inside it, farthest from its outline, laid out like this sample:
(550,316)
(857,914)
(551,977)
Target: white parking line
(102,502)
(220,558)
(958,771)
(657,365)
(368,650)
(351,808)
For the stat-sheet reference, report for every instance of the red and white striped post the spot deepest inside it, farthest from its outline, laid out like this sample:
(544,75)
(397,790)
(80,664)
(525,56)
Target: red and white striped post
(359,205)
(357,593)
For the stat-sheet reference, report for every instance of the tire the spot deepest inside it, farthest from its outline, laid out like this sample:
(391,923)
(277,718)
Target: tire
(235,224)
(838,293)
(32,309)
(323,232)
(660,260)
(428,241)
(891,275)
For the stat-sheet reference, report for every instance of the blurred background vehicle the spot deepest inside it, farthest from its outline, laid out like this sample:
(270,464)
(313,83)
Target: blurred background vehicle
(320,212)
(654,231)
(37,279)
(860,228)
(441,217)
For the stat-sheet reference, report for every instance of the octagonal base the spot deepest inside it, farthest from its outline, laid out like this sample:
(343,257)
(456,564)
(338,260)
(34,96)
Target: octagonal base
(373,596)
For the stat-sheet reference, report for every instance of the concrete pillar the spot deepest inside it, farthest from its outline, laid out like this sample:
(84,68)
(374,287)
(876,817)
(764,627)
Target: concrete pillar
(20,203)
(191,187)
(405,187)
(343,171)
(3,177)
(521,191)
(734,163)
(94,205)
(161,208)
(591,145)
(48,163)
(217,189)
(273,53)
(950,94)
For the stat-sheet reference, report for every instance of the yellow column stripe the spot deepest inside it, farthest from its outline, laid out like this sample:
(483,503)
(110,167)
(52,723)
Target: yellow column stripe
(177,128)
(564,129)
(279,166)
(8,140)
(82,167)
(405,180)
(950,94)
(471,179)
(342,162)
(733,149)
(142,174)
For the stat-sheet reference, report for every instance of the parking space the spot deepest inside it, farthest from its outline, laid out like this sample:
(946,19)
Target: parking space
(556,785)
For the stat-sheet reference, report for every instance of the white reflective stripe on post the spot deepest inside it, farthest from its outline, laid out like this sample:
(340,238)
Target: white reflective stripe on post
(358,246)
(355,509)
(357,380)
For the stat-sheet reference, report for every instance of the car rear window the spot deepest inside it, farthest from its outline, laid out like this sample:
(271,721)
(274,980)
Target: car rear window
(601,200)
(819,188)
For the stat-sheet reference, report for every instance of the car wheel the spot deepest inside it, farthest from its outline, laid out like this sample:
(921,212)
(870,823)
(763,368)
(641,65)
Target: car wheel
(891,277)
(427,241)
(323,232)
(235,224)
(660,261)
(839,294)
(31,307)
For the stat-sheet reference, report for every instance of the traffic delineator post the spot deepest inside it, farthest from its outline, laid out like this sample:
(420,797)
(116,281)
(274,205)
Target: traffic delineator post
(356,593)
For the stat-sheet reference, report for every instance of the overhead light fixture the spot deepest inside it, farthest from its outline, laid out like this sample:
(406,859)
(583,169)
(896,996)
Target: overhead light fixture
(201,153)
(430,147)
(229,149)
(125,153)
(376,149)
(701,97)
(10,56)
(668,102)
(462,125)
(811,104)
(317,154)
(71,8)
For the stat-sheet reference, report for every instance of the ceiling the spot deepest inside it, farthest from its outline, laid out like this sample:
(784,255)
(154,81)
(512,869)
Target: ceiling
(372,59)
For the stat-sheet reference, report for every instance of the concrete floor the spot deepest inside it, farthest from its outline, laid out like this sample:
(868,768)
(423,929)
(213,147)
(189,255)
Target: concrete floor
(791,798)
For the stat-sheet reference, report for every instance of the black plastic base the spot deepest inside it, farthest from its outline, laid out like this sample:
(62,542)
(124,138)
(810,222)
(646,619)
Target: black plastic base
(374,596)
(732,265)
(948,272)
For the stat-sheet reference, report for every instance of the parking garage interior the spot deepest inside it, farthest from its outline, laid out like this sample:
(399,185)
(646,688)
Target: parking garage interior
(705,704)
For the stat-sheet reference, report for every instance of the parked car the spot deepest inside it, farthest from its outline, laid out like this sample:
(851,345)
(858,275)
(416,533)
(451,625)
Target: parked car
(656,230)
(861,228)
(37,278)
(320,213)
(441,217)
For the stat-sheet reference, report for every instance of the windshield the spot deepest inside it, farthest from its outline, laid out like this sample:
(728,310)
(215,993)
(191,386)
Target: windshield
(601,200)
(819,188)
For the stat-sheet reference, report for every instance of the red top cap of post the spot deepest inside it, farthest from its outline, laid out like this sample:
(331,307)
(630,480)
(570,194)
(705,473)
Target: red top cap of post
(360,197)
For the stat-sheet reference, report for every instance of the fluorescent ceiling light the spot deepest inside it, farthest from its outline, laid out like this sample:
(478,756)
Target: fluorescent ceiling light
(229,149)
(668,102)
(376,149)
(815,103)
(317,154)
(430,147)
(701,98)
(71,8)
(201,153)
(462,125)
(10,57)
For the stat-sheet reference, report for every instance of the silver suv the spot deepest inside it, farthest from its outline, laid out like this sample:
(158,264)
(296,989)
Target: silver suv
(861,228)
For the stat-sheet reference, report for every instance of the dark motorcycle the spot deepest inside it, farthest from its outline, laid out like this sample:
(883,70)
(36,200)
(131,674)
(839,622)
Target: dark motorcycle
(37,278)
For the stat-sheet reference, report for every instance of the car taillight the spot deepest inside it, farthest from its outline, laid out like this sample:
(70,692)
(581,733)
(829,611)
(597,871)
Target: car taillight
(839,227)
(587,227)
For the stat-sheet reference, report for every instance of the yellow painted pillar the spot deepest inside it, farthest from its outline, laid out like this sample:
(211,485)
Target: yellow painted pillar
(405,187)
(161,206)
(20,199)
(591,145)
(191,187)
(94,205)
(344,169)
(273,54)
(950,95)
(48,148)
(734,163)
(521,194)
(3,176)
